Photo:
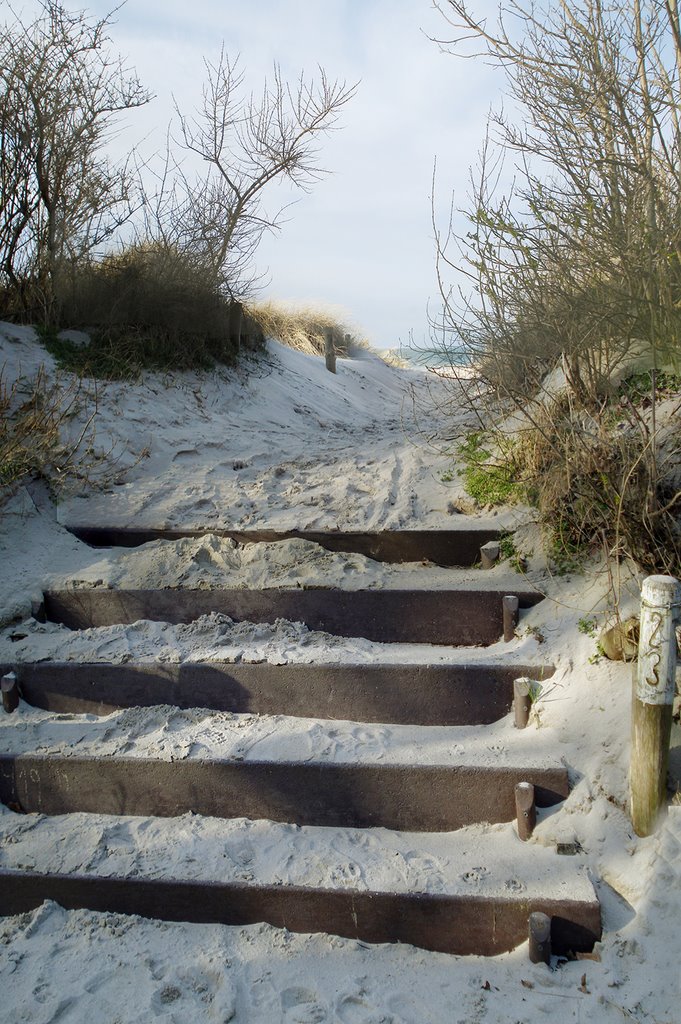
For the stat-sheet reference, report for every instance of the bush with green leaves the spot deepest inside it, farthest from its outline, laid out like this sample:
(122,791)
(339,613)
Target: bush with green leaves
(490,477)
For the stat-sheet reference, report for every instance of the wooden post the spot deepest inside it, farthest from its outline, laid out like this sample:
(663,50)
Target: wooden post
(525,810)
(489,554)
(239,325)
(510,605)
(10,693)
(522,689)
(651,718)
(540,938)
(329,350)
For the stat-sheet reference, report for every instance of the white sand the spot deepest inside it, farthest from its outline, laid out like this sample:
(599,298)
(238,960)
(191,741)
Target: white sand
(320,451)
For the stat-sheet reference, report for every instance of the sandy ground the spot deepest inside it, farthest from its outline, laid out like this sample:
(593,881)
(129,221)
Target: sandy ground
(292,446)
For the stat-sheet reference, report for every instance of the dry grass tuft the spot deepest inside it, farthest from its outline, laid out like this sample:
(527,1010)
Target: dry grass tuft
(31,414)
(605,478)
(149,306)
(305,328)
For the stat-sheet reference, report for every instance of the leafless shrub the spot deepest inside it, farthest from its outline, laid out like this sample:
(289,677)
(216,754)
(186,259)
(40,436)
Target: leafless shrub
(32,414)
(576,267)
(247,143)
(60,197)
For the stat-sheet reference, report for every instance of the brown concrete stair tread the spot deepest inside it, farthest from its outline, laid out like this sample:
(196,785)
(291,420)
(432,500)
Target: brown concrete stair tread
(358,795)
(436,694)
(465,615)
(429,890)
(453,547)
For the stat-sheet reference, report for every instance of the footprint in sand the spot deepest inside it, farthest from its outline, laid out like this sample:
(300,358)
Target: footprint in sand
(424,873)
(301,1006)
(368,741)
(408,1008)
(356,1010)
(195,993)
(475,875)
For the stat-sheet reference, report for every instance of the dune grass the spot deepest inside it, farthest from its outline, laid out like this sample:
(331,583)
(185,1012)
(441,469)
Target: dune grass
(306,327)
(31,414)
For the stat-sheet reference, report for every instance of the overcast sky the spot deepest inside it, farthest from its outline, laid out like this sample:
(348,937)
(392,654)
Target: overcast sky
(363,238)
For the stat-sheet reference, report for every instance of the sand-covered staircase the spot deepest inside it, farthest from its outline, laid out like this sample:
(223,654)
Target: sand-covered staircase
(396,824)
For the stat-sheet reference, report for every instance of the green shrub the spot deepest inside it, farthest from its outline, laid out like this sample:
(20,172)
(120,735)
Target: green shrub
(489,482)
(638,387)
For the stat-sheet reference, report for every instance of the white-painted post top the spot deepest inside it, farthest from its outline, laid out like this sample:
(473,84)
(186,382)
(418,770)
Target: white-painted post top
(660,609)
(663,591)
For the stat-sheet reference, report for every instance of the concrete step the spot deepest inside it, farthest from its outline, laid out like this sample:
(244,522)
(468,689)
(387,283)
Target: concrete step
(467,615)
(355,794)
(459,547)
(452,694)
(371,885)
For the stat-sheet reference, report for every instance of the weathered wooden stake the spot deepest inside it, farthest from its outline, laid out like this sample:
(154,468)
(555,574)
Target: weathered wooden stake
(525,810)
(522,689)
(510,605)
(651,718)
(10,693)
(239,318)
(489,554)
(38,610)
(540,938)
(329,351)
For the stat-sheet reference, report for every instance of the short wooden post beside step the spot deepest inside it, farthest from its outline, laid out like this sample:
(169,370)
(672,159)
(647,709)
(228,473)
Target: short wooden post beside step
(511,605)
(10,693)
(522,701)
(489,554)
(540,938)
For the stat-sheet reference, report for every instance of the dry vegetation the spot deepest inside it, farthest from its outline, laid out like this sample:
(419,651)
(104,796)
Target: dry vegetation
(306,328)
(32,413)
(148,306)
(576,273)
(173,297)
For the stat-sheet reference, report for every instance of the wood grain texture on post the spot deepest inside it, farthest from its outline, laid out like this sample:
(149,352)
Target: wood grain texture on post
(489,554)
(651,719)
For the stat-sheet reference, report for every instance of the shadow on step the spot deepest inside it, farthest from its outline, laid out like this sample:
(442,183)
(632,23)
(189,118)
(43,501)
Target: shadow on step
(411,798)
(442,695)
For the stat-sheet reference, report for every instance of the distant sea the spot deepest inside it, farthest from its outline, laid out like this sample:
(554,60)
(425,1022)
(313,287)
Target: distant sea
(419,356)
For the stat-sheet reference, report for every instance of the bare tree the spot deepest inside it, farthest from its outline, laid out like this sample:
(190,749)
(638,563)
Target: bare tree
(248,143)
(576,265)
(591,225)
(60,93)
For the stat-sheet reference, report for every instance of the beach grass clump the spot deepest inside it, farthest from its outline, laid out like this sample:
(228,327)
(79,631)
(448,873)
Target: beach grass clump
(608,480)
(30,417)
(603,478)
(149,306)
(305,328)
